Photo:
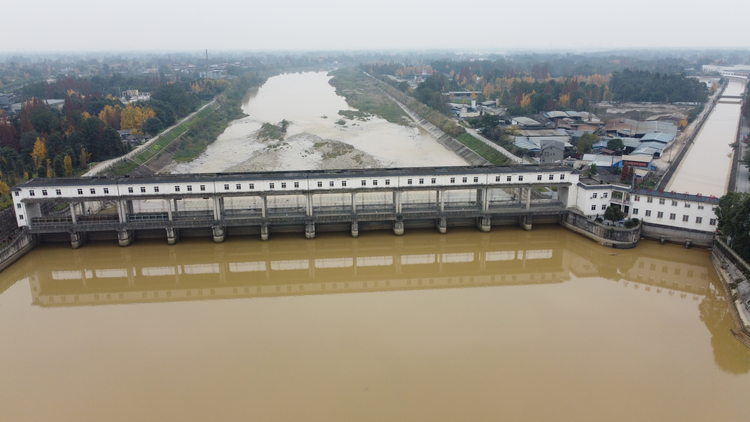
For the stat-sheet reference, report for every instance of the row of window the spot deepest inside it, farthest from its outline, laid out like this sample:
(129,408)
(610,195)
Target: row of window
(604,195)
(673,216)
(663,201)
(272,185)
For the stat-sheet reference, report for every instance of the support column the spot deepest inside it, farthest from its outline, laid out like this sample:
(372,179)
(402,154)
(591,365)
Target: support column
(122,211)
(525,222)
(217,209)
(173,235)
(310,230)
(175,205)
(169,210)
(355,229)
(219,233)
(72,207)
(264,206)
(442,225)
(77,239)
(264,232)
(398,227)
(484,224)
(485,200)
(398,202)
(124,237)
(354,203)
(528,198)
(308,206)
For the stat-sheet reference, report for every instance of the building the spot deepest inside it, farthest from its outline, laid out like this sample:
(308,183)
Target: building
(551,151)
(524,122)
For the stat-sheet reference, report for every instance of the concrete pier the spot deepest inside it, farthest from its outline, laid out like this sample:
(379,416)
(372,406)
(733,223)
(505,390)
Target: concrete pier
(398,228)
(484,223)
(173,235)
(77,239)
(442,225)
(355,229)
(124,237)
(219,233)
(264,232)
(310,230)
(525,221)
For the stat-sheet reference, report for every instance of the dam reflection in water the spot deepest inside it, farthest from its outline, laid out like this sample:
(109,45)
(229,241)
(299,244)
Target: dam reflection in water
(463,326)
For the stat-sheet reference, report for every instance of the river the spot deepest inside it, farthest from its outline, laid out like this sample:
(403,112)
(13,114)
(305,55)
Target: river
(310,103)
(507,325)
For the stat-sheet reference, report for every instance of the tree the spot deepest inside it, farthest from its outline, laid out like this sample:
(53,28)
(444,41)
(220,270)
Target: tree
(593,170)
(615,144)
(50,170)
(152,126)
(586,142)
(59,166)
(39,153)
(613,213)
(84,157)
(133,117)
(68,165)
(626,176)
(734,221)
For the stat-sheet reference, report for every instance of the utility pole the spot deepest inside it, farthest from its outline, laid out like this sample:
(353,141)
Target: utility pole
(206,63)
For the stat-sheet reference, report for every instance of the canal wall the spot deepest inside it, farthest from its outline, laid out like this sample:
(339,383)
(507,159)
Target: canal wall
(732,270)
(614,237)
(18,247)
(682,236)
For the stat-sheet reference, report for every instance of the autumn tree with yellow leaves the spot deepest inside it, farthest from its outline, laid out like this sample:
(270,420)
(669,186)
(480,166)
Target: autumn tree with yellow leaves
(39,153)
(133,117)
(111,116)
(68,165)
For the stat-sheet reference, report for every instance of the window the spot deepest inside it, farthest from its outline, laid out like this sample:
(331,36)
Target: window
(434,180)
(16,193)
(31,192)
(685,218)
(648,213)
(497,178)
(520,178)
(464,179)
(387,182)
(93,191)
(562,177)
(476,180)
(20,216)
(604,207)
(712,222)
(687,204)
(635,211)
(538,177)
(699,220)
(605,194)
(700,207)
(156,189)
(408,181)
(594,195)
(421,181)
(296,184)
(637,197)
(343,183)
(44,192)
(672,216)
(551,177)
(593,208)
(190,188)
(271,185)
(203,187)
(283,185)
(80,191)
(226,186)
(130,189)
(364,182)
(176,188)
(238,186)
(661,201)
(330,184)
(374,182)
(106,190)
(674,203)
(251,185)
(508,179)
(58,192)
(18,206)
(660,214)
(649,199)
(320,184)
(453,180)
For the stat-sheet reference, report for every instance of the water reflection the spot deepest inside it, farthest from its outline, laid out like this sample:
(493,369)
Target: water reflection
(104,274)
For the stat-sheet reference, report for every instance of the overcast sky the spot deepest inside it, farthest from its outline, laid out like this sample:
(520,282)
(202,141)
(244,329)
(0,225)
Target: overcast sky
(492,25)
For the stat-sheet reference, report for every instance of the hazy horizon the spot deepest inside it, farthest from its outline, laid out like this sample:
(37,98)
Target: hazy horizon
(83,26)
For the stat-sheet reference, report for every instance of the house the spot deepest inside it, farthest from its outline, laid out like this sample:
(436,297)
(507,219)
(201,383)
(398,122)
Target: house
(637,161)
(551,151)
(524,122)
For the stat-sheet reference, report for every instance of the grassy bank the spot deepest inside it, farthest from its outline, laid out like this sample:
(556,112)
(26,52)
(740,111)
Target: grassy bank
(360,92)
(485,151)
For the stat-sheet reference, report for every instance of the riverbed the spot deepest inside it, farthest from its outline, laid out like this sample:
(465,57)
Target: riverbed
(507,325)
(312,106)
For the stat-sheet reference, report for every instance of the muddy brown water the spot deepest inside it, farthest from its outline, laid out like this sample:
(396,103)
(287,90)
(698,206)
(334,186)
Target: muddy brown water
(507,325)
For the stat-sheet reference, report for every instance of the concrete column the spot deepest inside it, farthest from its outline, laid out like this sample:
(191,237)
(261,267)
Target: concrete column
(442,225)
(485,200)
(310,230)
(525,222)
(124,237)
(129,208)
(219,233)
(217,209)
(308,205)
(122,211)
(442,201)
(355,229)
(169,210)
(172,235)
(398,203)
(528,198)
(398,228)
(72,207)
(264,232)
(264,206)
(77,239)
(484,224)
(354,203)
(175,205)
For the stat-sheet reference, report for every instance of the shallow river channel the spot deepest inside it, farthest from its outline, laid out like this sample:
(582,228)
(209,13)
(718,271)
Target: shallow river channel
(508,325)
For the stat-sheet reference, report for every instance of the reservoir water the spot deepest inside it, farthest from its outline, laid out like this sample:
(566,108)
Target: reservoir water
(507,325)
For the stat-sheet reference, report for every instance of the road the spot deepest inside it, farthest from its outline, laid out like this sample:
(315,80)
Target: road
(502,150)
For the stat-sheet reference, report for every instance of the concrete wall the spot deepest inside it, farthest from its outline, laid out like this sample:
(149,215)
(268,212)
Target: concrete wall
(607,236)
(676,235)
(16,249)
